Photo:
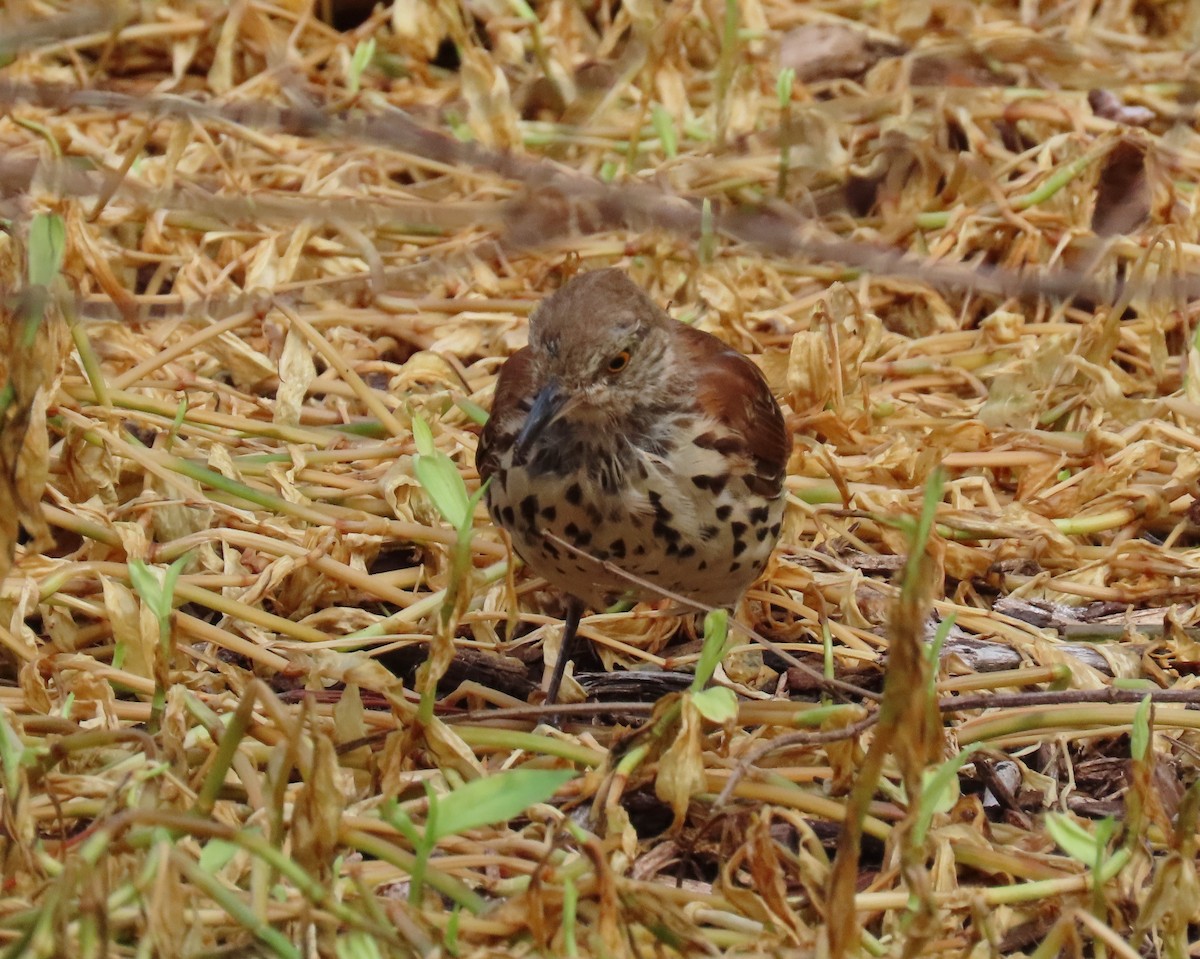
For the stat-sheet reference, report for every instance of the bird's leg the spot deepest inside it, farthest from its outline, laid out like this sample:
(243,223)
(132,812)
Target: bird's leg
(566,649)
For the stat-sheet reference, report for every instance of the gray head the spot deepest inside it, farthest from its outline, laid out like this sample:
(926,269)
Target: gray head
(599,347)
(600,334)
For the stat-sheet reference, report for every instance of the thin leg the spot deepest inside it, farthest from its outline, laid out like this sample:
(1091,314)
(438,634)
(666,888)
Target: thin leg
(567,649)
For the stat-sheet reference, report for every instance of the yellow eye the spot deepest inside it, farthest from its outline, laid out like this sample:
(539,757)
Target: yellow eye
(619,362)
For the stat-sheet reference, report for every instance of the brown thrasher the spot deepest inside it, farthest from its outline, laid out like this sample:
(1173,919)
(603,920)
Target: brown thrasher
(646,444)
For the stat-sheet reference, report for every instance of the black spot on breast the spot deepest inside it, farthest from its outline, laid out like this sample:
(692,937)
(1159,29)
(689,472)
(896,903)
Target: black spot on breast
(703,564)
(574,494)
(672,549)
(724,512)
(759,514)
(663,531)
(738,547)
(639,550)
(529,508)
(551,550)
(549,513)
(687,551)
(618,548)
(762,533)
(737,528)
(734,567)
(708,532)
(579,537)
(508,515)
(594,514)
(775,529)
(713,483)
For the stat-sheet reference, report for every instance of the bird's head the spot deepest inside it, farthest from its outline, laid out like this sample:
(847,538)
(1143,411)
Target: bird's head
(599,347)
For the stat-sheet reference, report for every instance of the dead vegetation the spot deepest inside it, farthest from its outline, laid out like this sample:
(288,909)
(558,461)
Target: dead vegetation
(259,695)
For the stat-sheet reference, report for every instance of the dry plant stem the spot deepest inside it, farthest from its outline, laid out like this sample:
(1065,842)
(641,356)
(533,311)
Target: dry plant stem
(1015,722)
(833,685)
(786,742)
(1070,427)
(122,399)
(370,398)
(179,349)
(772,232)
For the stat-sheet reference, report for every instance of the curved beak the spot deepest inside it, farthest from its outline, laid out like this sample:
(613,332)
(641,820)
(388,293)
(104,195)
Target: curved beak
(548,405)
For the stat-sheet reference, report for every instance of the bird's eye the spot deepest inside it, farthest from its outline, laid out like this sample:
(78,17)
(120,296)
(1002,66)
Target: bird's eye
(619,362)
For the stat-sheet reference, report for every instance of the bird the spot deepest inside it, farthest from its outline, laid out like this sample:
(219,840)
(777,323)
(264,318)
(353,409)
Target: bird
(622,440)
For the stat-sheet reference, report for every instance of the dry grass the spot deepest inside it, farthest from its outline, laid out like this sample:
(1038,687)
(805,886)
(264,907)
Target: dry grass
(942,250)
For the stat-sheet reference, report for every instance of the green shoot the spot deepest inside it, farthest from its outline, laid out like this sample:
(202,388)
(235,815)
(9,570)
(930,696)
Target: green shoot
(783,88)
(439,477)
(1089,848)
(1139,737)
(481,802)
(708,240)
(159,597)
(364,53)
(726,64)
(664,126)
(940,791)
(716,644)
(570,910)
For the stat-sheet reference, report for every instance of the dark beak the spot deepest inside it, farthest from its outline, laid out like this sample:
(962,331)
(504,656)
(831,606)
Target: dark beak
(547,406)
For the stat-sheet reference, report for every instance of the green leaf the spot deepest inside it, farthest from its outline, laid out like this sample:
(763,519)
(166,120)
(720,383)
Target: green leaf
(422,436)
(1139,738)
(708,240)
(784,84)
(47,247)
(147,585)
(170,578)
(477,414)
(495,799)
(357,944)
(523,10)
(13,756)
(439,477)
(399,820)
(1074,839)
(939,640)
(716,704)
(939,791)
(364,53)
(664,126)
(450,937)
(570,910)
(716,633)
(216,855)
